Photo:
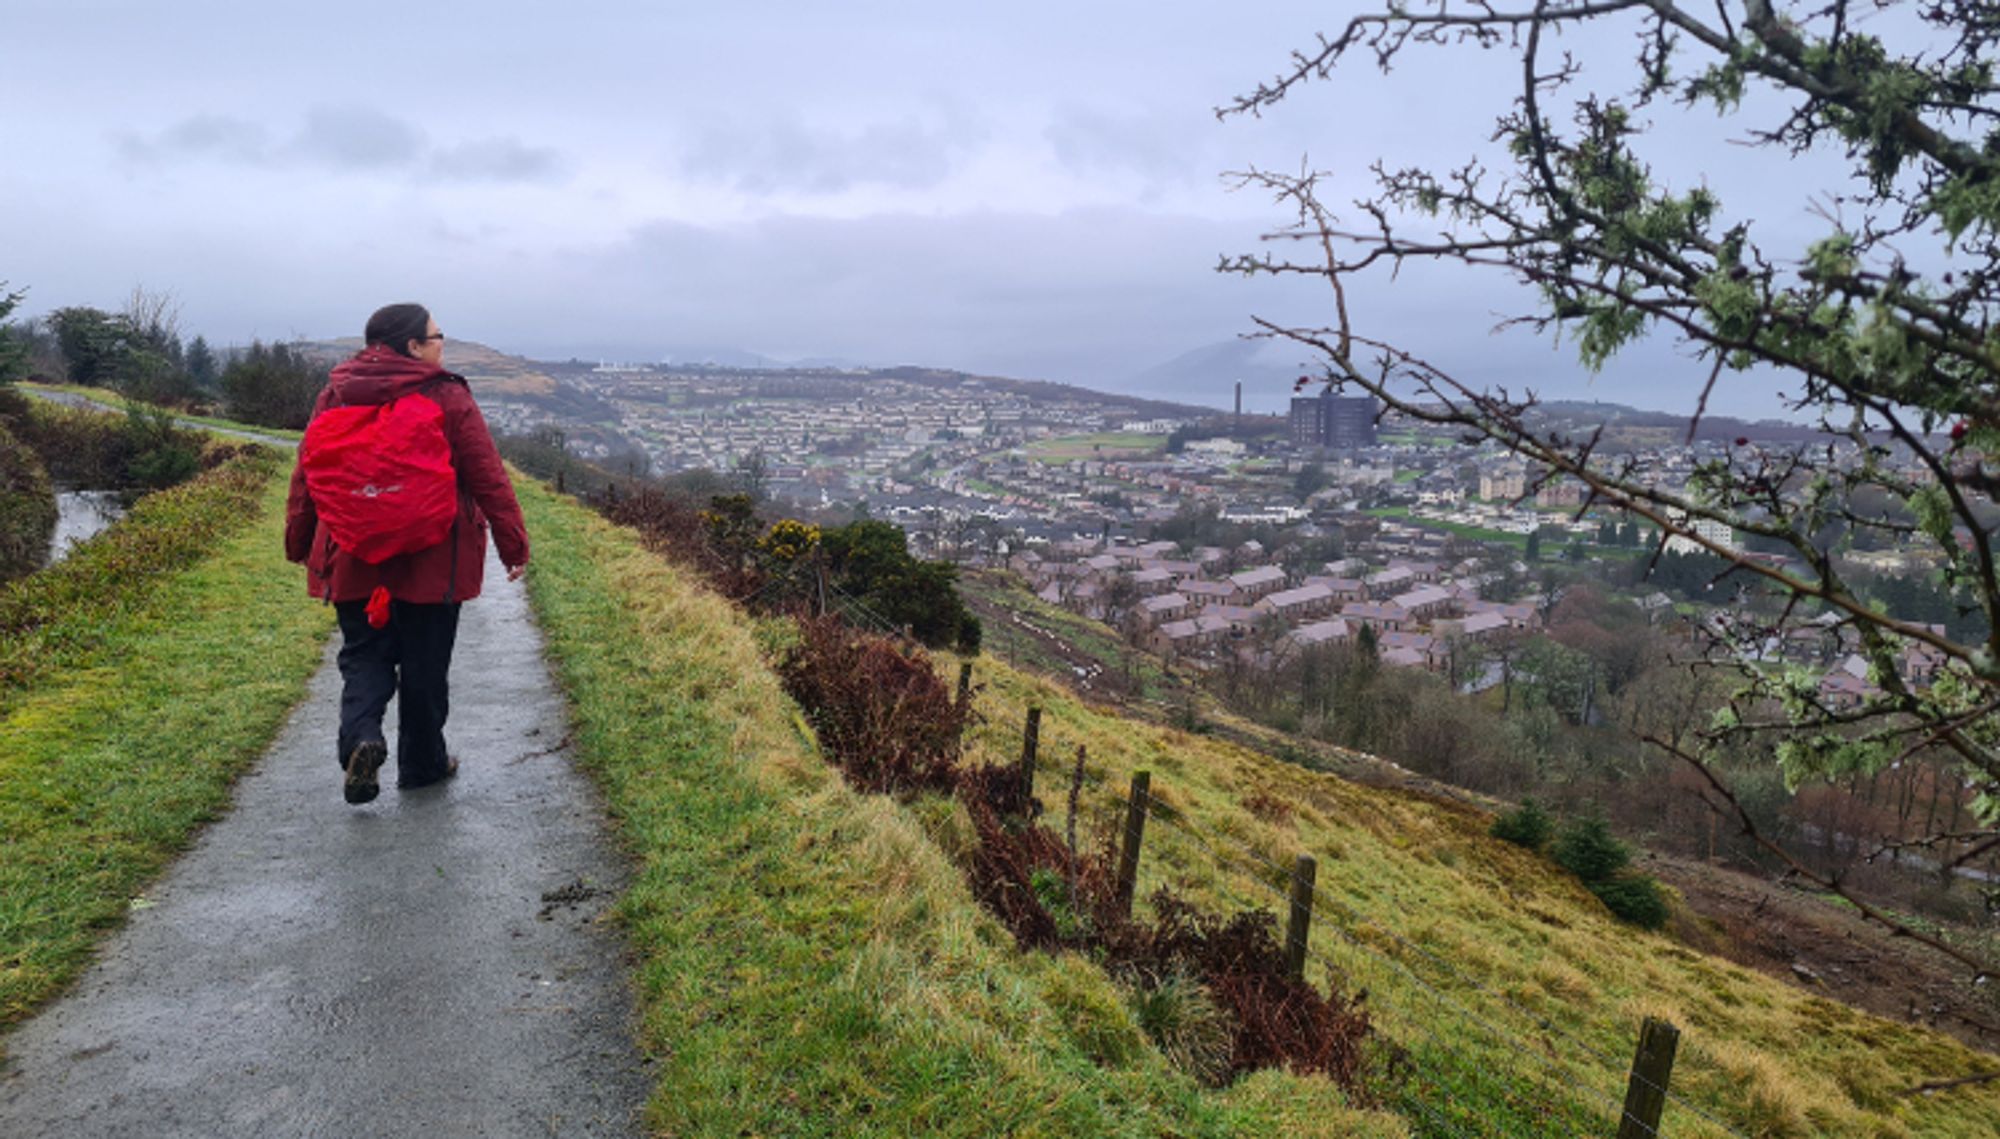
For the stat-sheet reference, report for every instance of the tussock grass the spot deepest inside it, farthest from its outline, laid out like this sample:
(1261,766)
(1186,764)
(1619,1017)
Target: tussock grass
(1526,965)
(144,674)
(810,962)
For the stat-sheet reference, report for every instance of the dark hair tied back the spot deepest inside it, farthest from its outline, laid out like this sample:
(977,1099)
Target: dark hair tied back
(394,326)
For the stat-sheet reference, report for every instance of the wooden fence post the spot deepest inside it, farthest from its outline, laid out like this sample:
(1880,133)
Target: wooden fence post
(1135,834)
(1030,741)
(1299,929)
(964,683)
(1646,1091)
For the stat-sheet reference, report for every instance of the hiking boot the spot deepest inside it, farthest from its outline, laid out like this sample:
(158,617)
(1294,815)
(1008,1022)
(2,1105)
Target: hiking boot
(450,771)
(361,768)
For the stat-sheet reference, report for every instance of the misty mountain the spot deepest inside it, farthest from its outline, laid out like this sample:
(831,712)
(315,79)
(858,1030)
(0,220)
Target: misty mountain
(1207,375)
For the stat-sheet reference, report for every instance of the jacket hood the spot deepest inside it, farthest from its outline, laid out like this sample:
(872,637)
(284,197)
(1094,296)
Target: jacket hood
(377,375)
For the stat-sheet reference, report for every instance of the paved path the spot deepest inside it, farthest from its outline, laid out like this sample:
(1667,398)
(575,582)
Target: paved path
(430,964)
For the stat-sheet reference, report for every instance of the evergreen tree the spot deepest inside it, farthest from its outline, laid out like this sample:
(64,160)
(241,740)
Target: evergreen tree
(273,385)
(202,369)
(13,353)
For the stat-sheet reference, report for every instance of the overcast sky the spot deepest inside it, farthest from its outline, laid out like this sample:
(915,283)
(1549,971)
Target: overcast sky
(1028,189)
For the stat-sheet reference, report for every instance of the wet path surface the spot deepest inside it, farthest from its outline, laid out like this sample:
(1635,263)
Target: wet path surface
(430,964)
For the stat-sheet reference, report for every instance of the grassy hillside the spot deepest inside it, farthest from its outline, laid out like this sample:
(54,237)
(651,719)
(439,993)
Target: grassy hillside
(1517,995)
(813,962)
(810,963)
(809,959)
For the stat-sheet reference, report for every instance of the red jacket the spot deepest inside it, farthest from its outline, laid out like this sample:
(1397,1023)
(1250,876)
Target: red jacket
(451,570)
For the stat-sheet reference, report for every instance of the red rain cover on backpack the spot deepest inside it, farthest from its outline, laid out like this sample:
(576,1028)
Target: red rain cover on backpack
(380,476)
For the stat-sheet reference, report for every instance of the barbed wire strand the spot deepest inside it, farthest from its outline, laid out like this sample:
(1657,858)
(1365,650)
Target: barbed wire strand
(854,604)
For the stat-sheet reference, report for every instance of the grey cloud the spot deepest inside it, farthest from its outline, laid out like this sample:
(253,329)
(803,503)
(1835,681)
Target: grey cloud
(1086,296)
(355,137)
(787,154)
(495,160)
(1090,296)
(348,138)
(219,137)
(1157,146)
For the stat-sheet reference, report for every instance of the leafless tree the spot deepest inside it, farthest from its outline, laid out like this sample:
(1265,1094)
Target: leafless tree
(1877,330)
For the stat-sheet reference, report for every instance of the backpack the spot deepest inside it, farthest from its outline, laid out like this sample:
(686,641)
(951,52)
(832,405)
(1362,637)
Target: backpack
(380,476)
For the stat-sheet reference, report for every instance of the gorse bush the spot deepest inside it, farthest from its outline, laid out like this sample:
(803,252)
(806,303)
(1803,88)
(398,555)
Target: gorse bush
(870,562)
(1528,826)
(159,454)
(863,570)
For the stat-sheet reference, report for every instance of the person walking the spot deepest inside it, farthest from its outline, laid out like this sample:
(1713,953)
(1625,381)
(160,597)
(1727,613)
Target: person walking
(398,614)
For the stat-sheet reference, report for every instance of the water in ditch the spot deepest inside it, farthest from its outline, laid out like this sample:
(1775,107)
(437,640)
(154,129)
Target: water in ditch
(81,514)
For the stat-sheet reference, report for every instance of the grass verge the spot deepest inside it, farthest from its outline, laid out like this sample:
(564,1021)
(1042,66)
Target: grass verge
(165,655)
(810,962)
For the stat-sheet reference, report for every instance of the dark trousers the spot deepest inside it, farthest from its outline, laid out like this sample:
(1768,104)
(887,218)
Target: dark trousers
(409,658)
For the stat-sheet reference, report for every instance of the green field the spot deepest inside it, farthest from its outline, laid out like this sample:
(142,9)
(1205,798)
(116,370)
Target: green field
(1473,533)
(1107,445)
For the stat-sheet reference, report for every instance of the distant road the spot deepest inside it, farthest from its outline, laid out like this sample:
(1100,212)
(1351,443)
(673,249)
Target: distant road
(71,399)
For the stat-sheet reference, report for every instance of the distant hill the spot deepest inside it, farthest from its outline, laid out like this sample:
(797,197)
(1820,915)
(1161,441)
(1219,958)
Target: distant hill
(1050,391)
(1208,375)
(1633,427)
(498,373)
(1270,368)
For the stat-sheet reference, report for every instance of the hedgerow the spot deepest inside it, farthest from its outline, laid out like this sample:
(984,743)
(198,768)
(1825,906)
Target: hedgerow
(27,508)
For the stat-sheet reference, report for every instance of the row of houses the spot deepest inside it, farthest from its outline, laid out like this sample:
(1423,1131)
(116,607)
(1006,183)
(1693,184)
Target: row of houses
(1172,602)
(1425,644)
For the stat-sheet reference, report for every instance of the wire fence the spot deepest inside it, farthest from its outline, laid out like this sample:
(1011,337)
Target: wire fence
(1477,1060)
(1480,1061)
